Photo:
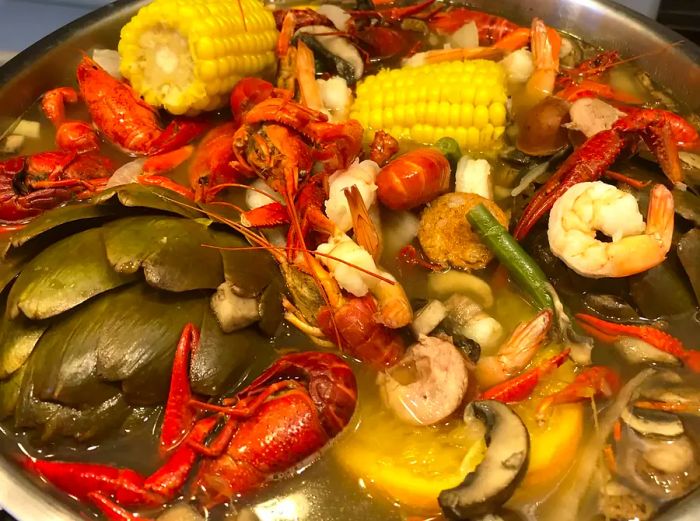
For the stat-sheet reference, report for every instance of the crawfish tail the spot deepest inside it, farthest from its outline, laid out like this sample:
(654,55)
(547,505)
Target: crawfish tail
(588,163)
(360,334)
(283,432)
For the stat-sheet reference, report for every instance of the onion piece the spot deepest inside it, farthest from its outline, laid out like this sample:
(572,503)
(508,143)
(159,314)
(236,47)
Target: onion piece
(109,60)
(27,128)
(256,198)
(335,14)
(637,351)
(530,177)
(127,173)
(466,37)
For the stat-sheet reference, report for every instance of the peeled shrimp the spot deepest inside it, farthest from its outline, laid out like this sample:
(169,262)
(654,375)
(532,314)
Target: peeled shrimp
(587,208)
(361,174)
(394,307)
(516,352)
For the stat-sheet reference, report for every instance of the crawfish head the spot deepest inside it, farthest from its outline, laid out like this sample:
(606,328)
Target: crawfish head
(31,185)
(279,155)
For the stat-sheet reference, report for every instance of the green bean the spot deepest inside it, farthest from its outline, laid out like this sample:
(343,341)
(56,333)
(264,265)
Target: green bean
(450,149)
(524,270)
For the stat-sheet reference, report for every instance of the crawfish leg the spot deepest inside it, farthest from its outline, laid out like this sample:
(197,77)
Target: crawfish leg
(170,478)
(588,163)
(82,479)
(112,510)
(178,415)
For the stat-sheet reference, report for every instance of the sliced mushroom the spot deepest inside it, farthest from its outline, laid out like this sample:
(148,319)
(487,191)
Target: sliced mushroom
(428,384)
(465,318)
(428,318)
(653,423)
(661,469)
(637,351)
(504,465)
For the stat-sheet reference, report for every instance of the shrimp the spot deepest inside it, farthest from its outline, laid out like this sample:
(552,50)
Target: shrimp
(362,174)
(545,44)
(589,207)
(516,352)
(342,256)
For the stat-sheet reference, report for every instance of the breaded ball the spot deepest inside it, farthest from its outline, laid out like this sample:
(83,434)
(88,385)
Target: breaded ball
(447,237)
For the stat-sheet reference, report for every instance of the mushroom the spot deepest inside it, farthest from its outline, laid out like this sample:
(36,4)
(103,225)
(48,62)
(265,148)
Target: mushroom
(428,383)
(661,469)
(505,463)
(649,422)
(466,318)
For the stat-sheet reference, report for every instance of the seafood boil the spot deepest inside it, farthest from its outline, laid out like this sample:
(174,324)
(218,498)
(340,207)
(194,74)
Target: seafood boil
(365,260)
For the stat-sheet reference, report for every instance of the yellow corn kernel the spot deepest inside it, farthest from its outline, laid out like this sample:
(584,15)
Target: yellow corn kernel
(497,114)
(481,116)
(187,56)
(462,100)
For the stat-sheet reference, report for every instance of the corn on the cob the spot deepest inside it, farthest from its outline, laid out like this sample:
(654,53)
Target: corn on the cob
(186,55)
(465,100)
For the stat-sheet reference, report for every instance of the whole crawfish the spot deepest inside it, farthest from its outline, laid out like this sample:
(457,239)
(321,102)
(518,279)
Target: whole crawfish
(125,119)
(283,417)
(30,185)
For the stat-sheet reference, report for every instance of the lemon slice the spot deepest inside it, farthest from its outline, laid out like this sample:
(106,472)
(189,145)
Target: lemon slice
(406,464)
(410,465)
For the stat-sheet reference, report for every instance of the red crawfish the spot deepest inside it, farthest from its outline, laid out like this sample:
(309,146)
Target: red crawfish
(657,128)
(122,116)
(520,387)
(30,185)
(609,332)
(592,382)
(283,417)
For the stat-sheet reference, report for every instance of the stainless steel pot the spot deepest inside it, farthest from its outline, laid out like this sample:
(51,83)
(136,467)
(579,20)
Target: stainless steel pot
(51,61)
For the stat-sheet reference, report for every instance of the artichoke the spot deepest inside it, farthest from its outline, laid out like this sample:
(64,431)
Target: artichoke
(96,296)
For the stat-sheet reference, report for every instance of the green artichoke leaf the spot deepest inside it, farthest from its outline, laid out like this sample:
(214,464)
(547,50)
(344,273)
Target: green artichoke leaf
(271,310)
(56,420)
(689,254)
(18,338)
(64,275)
(222,361)
(154,197)
(14,260)
(249,270)
(58,217)
(663,290)
(65,359)
(138,339)
(169,249)
(9,393)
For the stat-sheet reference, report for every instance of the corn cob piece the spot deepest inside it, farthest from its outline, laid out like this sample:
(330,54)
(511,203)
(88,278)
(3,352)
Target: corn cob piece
(465,100)
(186,55)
